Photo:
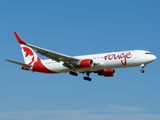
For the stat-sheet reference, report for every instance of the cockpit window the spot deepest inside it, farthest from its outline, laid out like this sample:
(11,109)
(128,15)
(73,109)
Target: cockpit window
(148,53)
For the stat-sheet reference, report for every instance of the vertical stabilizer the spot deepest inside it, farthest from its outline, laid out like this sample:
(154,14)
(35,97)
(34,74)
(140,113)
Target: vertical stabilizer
(30,57)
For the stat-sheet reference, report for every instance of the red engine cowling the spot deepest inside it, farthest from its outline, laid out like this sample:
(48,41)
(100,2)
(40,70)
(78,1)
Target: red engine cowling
(107,72)
(25,68)
(86,63)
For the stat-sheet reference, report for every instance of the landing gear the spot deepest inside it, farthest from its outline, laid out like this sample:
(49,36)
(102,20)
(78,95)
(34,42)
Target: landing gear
(73,73)
(87,77)
(143,66)
(142,70)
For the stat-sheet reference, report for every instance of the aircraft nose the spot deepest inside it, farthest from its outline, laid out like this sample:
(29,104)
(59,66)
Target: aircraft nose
(154,57)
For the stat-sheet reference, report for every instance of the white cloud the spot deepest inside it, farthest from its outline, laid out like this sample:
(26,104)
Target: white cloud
(124,109)
(84,114)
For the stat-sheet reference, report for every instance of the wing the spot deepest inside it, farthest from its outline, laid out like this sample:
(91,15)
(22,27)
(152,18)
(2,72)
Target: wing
(52,55)
(69,62)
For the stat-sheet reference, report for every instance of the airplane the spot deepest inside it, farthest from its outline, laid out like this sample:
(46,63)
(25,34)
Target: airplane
(103,64)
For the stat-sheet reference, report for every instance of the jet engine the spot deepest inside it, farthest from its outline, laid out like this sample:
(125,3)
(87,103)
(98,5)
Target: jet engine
(25,68)
(110,72)
(85,63)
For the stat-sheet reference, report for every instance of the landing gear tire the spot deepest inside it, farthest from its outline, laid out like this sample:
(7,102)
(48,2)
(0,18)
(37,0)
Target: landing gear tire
(87,78)
(73,73)
(142,70)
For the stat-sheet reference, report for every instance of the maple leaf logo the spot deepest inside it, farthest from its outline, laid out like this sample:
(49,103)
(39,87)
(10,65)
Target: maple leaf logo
(29,55)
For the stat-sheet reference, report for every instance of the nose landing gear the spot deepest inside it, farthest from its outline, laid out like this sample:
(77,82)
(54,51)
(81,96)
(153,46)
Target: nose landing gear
(143,66)
(142,70)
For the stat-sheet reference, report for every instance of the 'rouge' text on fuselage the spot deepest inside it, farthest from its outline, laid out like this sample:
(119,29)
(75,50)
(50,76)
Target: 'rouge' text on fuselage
(121,56)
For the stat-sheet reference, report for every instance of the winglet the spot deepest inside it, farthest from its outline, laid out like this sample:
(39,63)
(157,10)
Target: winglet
(19,39)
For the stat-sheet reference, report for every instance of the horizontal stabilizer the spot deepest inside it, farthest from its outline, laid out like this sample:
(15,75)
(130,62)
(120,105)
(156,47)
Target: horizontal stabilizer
(18,63)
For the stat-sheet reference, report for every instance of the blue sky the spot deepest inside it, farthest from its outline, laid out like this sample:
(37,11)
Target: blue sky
(74,28)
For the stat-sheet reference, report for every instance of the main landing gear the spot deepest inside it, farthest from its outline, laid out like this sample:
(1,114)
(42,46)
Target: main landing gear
(73,73)
(87,77)
(143,66)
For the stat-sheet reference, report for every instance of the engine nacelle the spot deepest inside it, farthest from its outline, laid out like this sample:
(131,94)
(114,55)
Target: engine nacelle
(107,72)
(25,68)
(86,63)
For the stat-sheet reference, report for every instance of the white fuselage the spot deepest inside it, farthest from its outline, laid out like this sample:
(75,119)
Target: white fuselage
(102,61)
